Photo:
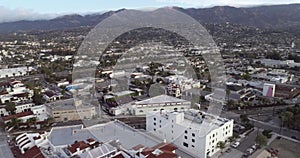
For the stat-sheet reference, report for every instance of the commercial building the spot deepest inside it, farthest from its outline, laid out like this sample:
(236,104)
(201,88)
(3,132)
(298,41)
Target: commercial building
(269,90)
(109,140)
(157,103)
(70,109)
(192,131)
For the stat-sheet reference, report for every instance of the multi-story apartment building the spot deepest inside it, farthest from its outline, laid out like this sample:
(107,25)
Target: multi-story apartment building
(192,131)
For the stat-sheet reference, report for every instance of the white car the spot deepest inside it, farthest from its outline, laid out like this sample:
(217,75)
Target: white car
(236,144)
(250,151)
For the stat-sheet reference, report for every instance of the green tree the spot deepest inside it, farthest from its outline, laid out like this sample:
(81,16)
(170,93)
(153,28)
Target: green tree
(246,76)
(244,118)
(287,118)
(231,139)
(221,145)
(37,97)
(32,121)
(230,104)
(14,122)
(10,107)
(261,140)
(50,120)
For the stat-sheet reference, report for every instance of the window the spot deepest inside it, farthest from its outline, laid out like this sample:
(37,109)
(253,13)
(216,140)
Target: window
(154,129)
(159,121)
(193,146)
(193,134)
(213,135)
(154,124)
(185,131)
(185,137)
(154,119)
(193,140)
(185,144)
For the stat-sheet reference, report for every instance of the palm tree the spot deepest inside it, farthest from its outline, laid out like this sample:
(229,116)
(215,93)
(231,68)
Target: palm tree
(287,117)
(14,122)
(10,107)
(221,145)
(231,139)
(32,121)
(29,123)
(50,120)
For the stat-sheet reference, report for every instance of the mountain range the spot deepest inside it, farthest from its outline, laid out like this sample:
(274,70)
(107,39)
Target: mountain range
(267,17)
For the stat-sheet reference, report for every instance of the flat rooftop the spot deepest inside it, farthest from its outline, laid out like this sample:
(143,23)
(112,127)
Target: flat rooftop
(161,99)
(113,130)
(68,104)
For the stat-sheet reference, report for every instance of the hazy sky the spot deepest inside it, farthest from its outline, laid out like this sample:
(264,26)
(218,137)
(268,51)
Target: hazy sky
(11,10)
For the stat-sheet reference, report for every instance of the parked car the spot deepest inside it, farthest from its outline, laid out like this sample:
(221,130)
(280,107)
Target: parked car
(254,147)
(228,150)
(236,144)
(249,151)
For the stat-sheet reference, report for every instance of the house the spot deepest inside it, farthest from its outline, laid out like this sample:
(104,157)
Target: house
(14,91)
(51,96)
(23,116)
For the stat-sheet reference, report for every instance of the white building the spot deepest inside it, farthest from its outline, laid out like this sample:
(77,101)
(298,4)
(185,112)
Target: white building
(195,132)
(40,112)
(269,90)
(14,91)
(157,103)
(12,72)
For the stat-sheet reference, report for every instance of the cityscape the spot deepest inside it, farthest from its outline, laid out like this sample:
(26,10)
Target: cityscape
(173,81)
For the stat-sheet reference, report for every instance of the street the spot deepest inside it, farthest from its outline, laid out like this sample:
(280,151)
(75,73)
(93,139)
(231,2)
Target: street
(5,151)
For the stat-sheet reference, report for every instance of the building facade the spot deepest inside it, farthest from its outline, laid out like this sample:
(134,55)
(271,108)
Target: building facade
(193,131)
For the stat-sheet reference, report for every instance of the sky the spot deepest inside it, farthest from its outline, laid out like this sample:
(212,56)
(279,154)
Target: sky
(13,10)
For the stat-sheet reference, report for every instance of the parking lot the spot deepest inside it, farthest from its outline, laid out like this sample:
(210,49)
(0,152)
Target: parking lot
(286,148)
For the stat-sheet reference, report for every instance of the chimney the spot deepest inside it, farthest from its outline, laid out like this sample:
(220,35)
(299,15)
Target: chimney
(165,140)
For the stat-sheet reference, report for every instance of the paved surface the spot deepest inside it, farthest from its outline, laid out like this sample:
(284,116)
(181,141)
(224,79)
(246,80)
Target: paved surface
(286,148)
(234,153)
(5,151)
(248,141)
(263,125)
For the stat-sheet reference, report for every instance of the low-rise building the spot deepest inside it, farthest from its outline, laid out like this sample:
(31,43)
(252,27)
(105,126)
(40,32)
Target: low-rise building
(70,109)
(158,103)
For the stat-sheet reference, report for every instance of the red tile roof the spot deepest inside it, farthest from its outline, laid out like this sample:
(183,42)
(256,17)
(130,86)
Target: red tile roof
(166,148)
(136,148)
(33,152)
(119,156)
(90,140)
(81,145)
(18,115)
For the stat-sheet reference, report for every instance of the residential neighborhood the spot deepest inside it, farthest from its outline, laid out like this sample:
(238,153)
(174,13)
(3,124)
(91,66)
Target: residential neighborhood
(152,92)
